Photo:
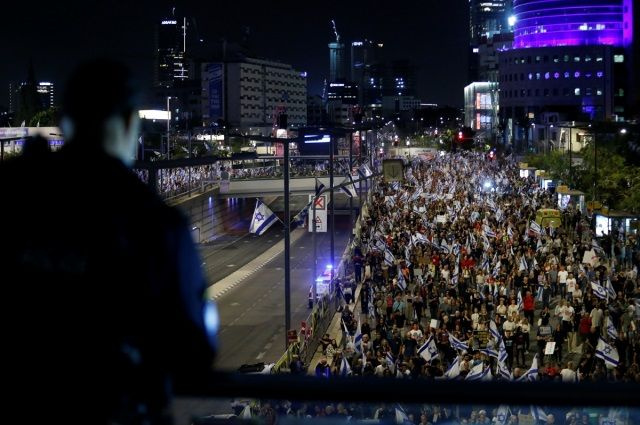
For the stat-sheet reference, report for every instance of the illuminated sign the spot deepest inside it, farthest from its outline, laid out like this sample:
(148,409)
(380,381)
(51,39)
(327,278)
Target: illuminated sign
(315,138)
(357,43)
(154,114)
(169,22)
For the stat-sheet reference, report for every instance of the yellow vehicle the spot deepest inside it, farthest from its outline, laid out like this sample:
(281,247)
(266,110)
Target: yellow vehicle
(546,217)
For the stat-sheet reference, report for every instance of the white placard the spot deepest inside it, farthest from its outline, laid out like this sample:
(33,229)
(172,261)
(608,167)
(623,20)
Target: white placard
(550,348)
(433,324)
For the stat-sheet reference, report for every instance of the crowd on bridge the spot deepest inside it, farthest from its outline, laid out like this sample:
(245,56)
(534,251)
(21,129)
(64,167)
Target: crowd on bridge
(180,180)
(460,282)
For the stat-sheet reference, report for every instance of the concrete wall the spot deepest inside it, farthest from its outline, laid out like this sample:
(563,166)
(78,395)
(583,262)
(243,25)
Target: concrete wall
(277,185)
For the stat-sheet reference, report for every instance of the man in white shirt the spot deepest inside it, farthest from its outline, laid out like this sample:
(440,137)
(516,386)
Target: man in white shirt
(571,286)
(562,281)
(568,374)
(567,313)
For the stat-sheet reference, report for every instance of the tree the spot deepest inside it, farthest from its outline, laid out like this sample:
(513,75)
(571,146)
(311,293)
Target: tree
(47,118)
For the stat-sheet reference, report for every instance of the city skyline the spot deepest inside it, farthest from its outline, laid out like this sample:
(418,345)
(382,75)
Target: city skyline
(288,34)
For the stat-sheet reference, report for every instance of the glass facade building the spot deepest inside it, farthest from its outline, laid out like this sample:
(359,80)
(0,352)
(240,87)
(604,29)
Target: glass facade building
(552,23)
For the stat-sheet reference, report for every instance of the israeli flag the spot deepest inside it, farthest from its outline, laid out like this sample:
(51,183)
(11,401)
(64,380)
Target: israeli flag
(479,373)
(299,218)
(496,269)
(348,189)
(444,247)
(531,374)
(503,371)
(420,238)
(357,339)
(607,352)
(523,266)
(489,351)
(611,293)
(493,330)
(401,416)
(263,218)
(489,232)
(428,350)
(345,368)
(597,248)
(502,415)
(510,232)
(535,227)
(599,291)
(402,283)
(365,171)
(520,305)
(388,257)
(390,362)
(611,330)
(538,414)
(456,249)
(502,351)
(457,344)
(454,370)
(539,294)
(456,274)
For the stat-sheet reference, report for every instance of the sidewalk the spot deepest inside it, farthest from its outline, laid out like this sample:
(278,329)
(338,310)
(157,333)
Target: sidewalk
(335,331)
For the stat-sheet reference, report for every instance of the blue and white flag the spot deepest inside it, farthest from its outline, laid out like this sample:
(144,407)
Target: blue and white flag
(599,291)
(607,352)
(520,304)
(456,274)
(531,374)
(401,416)
(402,283)
(538,414)
(454,370)
(611,293)
(502,415)
(510,232)
(388,257)
(493,330)
(390,362)
(535,227)
(523,266)
(364,171)
(489,232)
(299,218)
(345,368)
(503,371)
(348,189)
(611,330)
(263,218)
(428,350)
(444,247)
(496,269)
(357,339)
(479,373)
(457,344)
(489,351)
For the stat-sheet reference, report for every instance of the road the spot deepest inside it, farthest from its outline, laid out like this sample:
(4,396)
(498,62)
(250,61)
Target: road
(252,313)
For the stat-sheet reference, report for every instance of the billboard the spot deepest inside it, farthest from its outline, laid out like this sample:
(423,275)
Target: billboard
(215,73)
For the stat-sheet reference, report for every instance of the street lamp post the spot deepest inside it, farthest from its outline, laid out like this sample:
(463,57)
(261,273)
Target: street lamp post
(168,127)
(287,244)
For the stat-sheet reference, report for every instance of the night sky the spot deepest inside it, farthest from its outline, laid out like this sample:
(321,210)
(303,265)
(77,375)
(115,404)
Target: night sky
(58,35)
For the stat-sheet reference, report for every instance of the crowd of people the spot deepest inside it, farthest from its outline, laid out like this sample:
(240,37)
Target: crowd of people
(460,282)
(179,180)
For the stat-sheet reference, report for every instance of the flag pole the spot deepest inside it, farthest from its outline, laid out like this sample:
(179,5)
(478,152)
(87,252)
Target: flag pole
(287,247)
(314,287)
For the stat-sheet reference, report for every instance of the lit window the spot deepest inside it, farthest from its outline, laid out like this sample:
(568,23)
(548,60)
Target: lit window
(530,76)
(566,74)
(618,58)
(556,75)
(576,58)
(537,75)
(599,59)
(576,74)
(576,91)
(599,92)
(546,75)
(587,58)
(600,74)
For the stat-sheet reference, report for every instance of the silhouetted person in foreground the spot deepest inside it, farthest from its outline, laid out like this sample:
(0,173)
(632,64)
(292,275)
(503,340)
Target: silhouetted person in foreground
(103,309)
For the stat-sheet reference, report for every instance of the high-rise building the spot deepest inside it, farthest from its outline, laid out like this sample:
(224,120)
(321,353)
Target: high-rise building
(573,66)
(171,47)
(487,18)
(336,61)
(252,93)
(366,57)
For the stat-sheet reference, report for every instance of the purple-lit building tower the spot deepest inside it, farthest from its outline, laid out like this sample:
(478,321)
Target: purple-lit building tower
(570,59)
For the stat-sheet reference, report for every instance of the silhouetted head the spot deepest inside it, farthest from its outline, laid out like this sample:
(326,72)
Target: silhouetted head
(100,109)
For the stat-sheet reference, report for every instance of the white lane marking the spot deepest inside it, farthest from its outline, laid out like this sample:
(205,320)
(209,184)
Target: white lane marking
(261,355)
(234,304)
(231,265)
(268,346)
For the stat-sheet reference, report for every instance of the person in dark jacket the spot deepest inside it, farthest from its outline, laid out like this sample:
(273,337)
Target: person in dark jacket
(104,311)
